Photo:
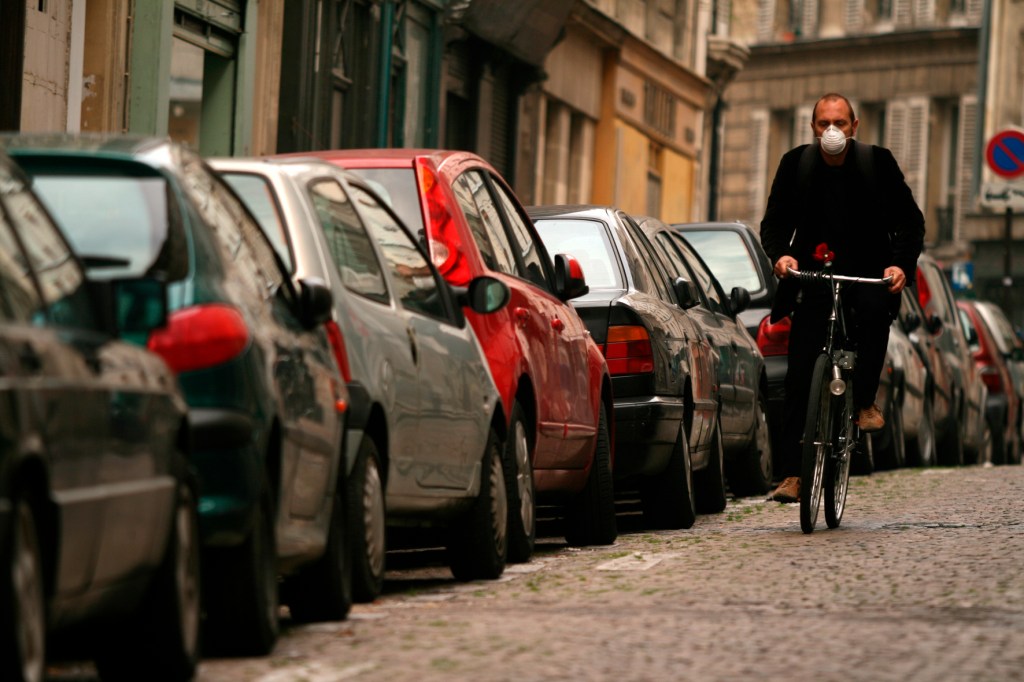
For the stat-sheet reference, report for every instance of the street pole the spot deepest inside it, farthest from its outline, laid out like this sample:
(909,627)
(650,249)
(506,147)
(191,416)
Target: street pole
(1007,262)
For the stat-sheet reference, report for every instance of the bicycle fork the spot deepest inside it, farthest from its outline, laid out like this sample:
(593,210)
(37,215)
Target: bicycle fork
(842,367)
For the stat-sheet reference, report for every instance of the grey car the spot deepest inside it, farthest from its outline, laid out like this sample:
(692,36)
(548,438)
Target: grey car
(425,432)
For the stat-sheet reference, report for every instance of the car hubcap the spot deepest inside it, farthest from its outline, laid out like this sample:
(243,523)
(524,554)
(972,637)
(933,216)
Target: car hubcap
(186,576)
(524,477)
(28,593)
(499,505)
(373,522)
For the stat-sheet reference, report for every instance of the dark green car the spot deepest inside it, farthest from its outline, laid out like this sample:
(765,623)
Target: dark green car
(256,354)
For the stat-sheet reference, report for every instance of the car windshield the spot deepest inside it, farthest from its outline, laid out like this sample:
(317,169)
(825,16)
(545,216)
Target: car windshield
(586,241)
(1002,330)
(397,186)
(728,257)
(109,215)
(256,193)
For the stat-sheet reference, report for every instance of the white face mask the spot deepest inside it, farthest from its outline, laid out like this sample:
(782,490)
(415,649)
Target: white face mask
(833,141)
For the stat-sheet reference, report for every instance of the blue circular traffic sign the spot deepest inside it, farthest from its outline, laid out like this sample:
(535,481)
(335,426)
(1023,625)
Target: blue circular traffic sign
(1005,153)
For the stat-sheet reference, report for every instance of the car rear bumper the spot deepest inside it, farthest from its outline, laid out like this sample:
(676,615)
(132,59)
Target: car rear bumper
(228,462)
(645,433)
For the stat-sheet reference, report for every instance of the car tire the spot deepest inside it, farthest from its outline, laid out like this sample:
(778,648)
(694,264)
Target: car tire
(710,481)
(862,457)
(949,450)
(921,449)
(22,598)
(888,444)
(522,509)
(367,523)
(478,542)
(667,499)
(590,517)
(751,473)
(163,636)
(322,591)
(241,589)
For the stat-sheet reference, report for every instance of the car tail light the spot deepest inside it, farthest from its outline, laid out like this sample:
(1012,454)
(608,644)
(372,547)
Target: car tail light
(924,293)
(338,346)
(442,239)
(628,351)
(200,336)
(773,339)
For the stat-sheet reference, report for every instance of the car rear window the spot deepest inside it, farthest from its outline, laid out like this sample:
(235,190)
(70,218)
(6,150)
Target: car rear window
(397,186)
(726,254)
(586,241)
(103,214)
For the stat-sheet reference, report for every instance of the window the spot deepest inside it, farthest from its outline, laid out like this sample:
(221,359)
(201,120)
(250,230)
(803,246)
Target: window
(416,284)
(728,257)
(258,197)
(702,276)
(348,241)
(18,297)
(493,236)
(586,241)
(530,251)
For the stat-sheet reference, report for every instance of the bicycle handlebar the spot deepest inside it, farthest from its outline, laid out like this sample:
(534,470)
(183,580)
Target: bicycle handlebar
(819,275)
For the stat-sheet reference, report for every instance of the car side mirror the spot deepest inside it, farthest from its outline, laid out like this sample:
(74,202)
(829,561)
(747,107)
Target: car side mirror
(739,300)
(569,280)
(483,295)
(316,302)
(910,322)
(934,324)
(686,293)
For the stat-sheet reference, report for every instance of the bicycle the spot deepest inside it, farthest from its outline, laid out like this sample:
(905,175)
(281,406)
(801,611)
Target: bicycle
(830,430)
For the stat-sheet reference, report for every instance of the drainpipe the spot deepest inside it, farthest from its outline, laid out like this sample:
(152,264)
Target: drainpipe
(384,93)
(984,38)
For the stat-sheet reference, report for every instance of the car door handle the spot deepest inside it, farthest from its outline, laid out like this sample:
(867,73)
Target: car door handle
(411,333)
(522,316)
(557,325)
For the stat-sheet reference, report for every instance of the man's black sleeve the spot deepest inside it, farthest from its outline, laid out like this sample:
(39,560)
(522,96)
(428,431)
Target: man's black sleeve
(780,216)
(906,222)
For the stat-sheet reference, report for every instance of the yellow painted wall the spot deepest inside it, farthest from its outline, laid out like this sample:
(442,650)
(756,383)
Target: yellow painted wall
(632,170)
(677,186)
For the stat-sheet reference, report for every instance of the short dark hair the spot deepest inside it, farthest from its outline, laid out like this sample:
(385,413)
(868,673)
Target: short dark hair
(832,97)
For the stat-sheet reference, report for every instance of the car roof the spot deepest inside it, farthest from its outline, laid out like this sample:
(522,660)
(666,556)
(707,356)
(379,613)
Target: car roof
(109,145)
(574,210)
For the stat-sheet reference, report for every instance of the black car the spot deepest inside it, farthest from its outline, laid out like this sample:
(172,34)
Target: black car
(98,518)
(256,352)
(667,403)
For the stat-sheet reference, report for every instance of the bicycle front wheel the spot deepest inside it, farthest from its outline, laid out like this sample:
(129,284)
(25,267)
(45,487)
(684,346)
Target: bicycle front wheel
(837,466)
(817,445)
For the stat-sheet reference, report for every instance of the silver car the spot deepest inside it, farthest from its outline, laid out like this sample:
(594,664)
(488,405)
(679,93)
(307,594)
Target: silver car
(426,426)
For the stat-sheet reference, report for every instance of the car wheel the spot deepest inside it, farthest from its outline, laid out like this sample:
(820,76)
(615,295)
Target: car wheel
(590,517)
(667,499)
(242,598)
(888,444)
(162,637)
(921,449)
(950,448)
(22,600)
(477,543)
(751,473)
(862,457)
(367,519)
(710,482)
(323,590)
(522,516)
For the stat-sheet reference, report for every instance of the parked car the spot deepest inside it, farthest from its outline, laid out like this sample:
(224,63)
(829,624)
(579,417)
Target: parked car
(661,361)
(98,517)
(734,254)
(741,376)
(1003,404)
(426,421)
(1011,347)
(550,374)
(962,427)
(252,349)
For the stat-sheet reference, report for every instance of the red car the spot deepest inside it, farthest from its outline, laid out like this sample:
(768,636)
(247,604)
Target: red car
(552,378)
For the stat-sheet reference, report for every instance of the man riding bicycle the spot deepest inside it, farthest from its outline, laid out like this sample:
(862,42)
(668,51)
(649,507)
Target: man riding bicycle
(850,200)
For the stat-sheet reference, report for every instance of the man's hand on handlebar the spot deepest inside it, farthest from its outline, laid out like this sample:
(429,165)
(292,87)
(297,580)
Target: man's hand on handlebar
(899,279)
(783,266)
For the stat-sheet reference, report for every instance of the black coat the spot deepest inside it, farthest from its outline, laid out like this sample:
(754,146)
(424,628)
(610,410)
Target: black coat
(869,223)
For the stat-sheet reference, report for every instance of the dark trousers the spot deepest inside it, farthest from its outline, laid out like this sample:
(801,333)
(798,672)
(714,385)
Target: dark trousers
(868,318)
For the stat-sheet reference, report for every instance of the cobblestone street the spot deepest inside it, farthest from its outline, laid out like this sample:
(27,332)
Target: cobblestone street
(921,582)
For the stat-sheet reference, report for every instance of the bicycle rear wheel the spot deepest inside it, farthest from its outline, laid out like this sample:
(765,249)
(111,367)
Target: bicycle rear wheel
(837,464)
(817,446)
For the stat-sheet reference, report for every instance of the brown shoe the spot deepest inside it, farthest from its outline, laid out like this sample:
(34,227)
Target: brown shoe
(788,490)
(870,419)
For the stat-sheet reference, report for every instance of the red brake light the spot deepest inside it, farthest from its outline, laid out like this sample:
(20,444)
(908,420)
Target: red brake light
(773,339)
(442,239)
(338,346)
(200,336)
(628,351)
(993,379)
(924,293)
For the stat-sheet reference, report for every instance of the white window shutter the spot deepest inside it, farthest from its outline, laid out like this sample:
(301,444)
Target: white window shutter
(758,164)
(902,12)
(907,137)
(896,131)
(965,160)
(924,12)
(723,15)
(974,11)
(809,18)
(802,133)
(853,11)
(765,21)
